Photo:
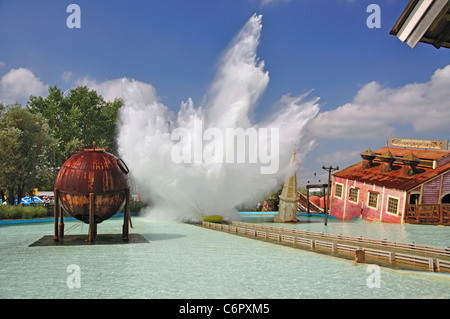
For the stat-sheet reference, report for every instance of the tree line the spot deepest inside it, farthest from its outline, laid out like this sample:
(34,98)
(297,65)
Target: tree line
(36,139)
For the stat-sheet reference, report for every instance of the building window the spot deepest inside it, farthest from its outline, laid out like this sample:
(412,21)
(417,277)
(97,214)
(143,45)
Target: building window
(338,188)
(392,205)
(373,200)
(353,195)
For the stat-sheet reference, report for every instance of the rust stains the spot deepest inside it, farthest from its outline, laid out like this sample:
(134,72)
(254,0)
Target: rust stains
(92,171)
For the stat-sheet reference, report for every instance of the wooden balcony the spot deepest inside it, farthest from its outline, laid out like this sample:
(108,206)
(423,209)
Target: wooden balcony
(429,214)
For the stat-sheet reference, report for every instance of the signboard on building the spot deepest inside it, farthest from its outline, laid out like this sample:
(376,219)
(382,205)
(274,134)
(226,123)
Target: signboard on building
(418,143)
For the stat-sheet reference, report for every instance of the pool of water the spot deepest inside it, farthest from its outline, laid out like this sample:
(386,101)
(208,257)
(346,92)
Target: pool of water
(187,261)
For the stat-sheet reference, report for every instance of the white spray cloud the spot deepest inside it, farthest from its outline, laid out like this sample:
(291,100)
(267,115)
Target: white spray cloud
(185,190)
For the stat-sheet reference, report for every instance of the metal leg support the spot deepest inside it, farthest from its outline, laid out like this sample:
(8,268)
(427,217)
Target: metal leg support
(92,226)
(56,211)
(126,216)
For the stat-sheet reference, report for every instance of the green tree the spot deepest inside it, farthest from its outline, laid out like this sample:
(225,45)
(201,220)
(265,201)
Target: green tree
(77,118)
(23,139)
(2,108)
(302,189)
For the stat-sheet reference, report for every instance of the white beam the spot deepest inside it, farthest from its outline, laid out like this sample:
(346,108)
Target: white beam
(426,22)
(413,19)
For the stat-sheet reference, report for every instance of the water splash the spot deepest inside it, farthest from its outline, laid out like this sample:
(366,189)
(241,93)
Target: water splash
(201,188)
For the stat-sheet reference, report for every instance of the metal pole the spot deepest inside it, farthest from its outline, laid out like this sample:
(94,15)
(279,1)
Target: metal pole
(61,221)
(327,198)
(55,214)
(91,217)
(126,216)
(307,198)
(325,204)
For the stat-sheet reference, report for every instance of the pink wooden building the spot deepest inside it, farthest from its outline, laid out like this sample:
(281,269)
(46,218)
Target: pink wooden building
(389,183)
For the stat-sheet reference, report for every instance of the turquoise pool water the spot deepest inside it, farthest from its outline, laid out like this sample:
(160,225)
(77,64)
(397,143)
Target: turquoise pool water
(187,261)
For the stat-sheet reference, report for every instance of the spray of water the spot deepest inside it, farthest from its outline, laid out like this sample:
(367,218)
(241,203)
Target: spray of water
(192,189)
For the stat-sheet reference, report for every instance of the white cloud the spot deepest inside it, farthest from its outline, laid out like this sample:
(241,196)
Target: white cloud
(272,2)
(339,157)
(66,76)
(377,111)
(18,84)
(112,89)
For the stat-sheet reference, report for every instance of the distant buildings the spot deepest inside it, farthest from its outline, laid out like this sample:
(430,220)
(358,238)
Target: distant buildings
(396,184)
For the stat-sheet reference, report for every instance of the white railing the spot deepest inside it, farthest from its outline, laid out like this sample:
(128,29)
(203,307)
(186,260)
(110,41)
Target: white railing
(443,251)
(289,235)
(442,265)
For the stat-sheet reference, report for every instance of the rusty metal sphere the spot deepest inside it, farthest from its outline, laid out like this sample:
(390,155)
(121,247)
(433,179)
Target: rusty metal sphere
(92,171)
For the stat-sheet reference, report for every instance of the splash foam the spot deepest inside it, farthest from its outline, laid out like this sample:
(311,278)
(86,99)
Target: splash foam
(198,188)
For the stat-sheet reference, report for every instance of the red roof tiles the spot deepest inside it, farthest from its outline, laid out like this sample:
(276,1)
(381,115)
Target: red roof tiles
(422,154)
(396,178)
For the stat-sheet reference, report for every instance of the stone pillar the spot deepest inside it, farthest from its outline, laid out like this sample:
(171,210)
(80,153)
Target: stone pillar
(287,209)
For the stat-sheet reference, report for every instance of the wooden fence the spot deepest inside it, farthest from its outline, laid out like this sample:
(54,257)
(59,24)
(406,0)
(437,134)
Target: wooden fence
(431,214)
(382,243)
(334,243)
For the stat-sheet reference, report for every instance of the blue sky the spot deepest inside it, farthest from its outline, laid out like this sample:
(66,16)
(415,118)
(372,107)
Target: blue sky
(371,85)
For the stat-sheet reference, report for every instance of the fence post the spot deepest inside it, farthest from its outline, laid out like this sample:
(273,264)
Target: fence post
(360,256)
(333,248)
(391,257)
(410,212)
(431,265)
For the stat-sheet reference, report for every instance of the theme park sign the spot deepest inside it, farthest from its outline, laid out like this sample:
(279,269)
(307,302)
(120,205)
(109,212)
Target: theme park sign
(416,143)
